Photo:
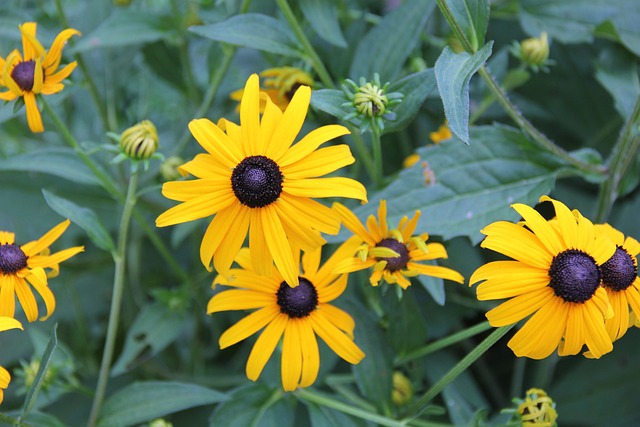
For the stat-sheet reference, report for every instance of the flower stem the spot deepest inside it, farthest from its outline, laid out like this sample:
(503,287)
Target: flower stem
(622,156)
(419,405)
(377,158)
(444,342)
(118,286)
(316,62)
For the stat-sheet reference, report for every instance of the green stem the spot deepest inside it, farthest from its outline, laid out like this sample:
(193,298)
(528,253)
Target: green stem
(316,62)
(455,26)
(93,89)
(622,156)
(329,402)
(377,158)
(419,405)
(120,258)
(444,342)
(362,152)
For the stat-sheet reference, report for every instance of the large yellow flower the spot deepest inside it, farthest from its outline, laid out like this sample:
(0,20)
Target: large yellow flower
(298,313)
(257,183)
(555,275)
(620,280)
(393,254)
(25,265)
(6,323)
(36,72)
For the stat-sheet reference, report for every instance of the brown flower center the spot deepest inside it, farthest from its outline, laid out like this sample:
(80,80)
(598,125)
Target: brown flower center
(396,263)
(23,75)
(12,259)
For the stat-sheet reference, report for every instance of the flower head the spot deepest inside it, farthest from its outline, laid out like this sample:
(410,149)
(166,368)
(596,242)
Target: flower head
(393,254)
(256,182)
(299,314)
(370,102)
(279,84)
(21,266)
(555,275)
(537,409)
(6,323)
(35,72)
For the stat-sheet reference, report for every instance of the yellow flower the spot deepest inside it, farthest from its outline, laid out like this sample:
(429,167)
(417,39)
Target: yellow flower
(299,314)
(442,134)
(537,410)
(411,160)
(26,264)
(279,84)
(554,275)
(393,254)
(255,182)
(620,280)
(36,72)
(6,323)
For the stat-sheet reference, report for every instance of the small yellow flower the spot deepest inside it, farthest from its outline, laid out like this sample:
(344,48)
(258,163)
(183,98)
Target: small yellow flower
(6,323)
(442,134)
(411,160)
(36,72)
(537,409)
(140,141)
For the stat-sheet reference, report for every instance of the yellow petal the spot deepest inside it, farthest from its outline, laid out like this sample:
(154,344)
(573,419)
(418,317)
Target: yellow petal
(506,279)
(279,246)
(187,190)
(310,354)
(333,290)
(310,143)
(308,211)
(574,337)
(353,223)
(216,231)
(311,262)
(27,300)
(349,265)
(239,299)
(216,142)
(298,232)
(38,279)
(516,309)
(340,343)
(540,227)
(250,117)
(50,261)
(436,271)
(31,47)
(58,77)
(265,345)
(34,119)
(37,246)
(249,325)
(196,208)
(518,243)
(7,294)
(270,120)
(206,166)
(291,365)
(261,259)
(289,126)
(7,323)
(54,55)
(596,337)
(339,318)
(232,241)
(346,250)
(326,187)
(566,222)
(319,163)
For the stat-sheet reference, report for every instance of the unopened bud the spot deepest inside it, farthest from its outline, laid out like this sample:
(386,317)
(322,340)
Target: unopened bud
(140,141)
(537,409)
(169,168)
(535,51)
(402,389)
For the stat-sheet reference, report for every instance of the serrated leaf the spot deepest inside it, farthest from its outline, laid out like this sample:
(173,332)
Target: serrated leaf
(62,162)
(453,72)
(253,30)
(416,88)
(254,405)
(145,401)
(617,72)
(472,16)
(386,47)
(471,185)
(330,101)
(323,18)
(123,28)
(155,327)
(84,217)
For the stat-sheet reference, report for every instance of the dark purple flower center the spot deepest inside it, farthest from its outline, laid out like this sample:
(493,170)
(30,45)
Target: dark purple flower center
(12,259)
(299,301)
(396,263)
(620,271)
(575,276)
(257,181)
(23,75)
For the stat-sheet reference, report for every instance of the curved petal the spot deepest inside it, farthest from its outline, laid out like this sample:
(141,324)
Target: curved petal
(516,242)
(27,300)
(332,291)
(326,187)
(34,119)
(239,299)
(38,279)
(617,325)
(317,215)
(50,261)
(215,233)
(310,354)
(436,271)
(7,323)
(300,233)
(311,262)
(310,143)
(434,251)
(349,265)
(596,337)
(353,223)
(38,77)
(8,96)
(339,318)
(261,259)
(540,227)
(265,345)
(31,47)
(506,279)
(289,126)
(291,364)
(337,341)
(54,55)
(516,309)
(232,241)
(58,77)
(566,222)
(279,246)
(204,165)
(320,162)
(37,246)
(216,142)
(196,208)
(12,60)
(249,325)
(325,274)
(7,238)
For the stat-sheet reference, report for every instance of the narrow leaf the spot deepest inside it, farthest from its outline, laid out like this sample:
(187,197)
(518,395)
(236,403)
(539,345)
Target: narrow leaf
(323,18)
(145,401)
(85,218)
(253,30)
(386,47)
(453,73)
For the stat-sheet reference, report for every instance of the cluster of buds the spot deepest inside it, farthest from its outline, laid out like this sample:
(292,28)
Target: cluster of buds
(371,103)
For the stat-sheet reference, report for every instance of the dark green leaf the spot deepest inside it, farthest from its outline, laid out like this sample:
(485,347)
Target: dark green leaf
(253,30)
(62,162)
(386,47)
(123,28)
(416,88)
(164,60)
(323,17)
(407,327)
(145,401)
(84,217)
(472,185)
(155,327)
(473,18)
(617,72)
(435,287)
(254,405)
(321,416)
(453,72)
(330,101)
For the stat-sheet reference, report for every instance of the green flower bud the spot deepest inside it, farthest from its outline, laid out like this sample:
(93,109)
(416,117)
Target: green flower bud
(370,103)
(535,51)
(169,168)
(370,100)
(140,141)
(160,422)
(402,392)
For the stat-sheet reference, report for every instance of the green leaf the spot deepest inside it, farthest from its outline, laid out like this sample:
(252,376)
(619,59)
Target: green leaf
(323,18)
(254,405)
(253,30)
(155,327)
(473,18)
(163,59)
(453,73)
(330,101)
(32,394)
(617,72)
(62,162)
(386,47)
(407,328)
(124,28)
(416,88)
(321,416)
(473,185)
(435,287)
(84,217)
(146,400)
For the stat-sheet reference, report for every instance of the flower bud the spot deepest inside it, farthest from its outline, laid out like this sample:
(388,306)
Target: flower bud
(140,141)
(537,409)
(402,392)
(169,168)
(535,51)
(370,103)
(160,422)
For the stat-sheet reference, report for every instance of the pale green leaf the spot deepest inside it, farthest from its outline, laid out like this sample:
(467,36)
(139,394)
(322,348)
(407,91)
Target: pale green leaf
(323,18)
(453,73)
(415,88)
(330,101)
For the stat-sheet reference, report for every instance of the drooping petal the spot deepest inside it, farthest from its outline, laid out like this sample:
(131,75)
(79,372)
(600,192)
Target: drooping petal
(340,343)
(291,365)
(38,279)
(216,231)
(34,119)
(31,47)
(434,251)
(596,337)
(279,246)
(54,55)
(265,345)
(298,232)
(339,318)
(353,223)
(232,241)
(27,299)
(310,354)
(261,258)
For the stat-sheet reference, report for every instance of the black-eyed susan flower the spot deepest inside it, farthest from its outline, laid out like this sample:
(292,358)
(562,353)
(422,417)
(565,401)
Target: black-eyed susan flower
(21,266)
(620,280)
(297,315)
(6,323)
(555,275)
(279,84)
(35,72)
(537,409)
(256,182)
(394,254)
